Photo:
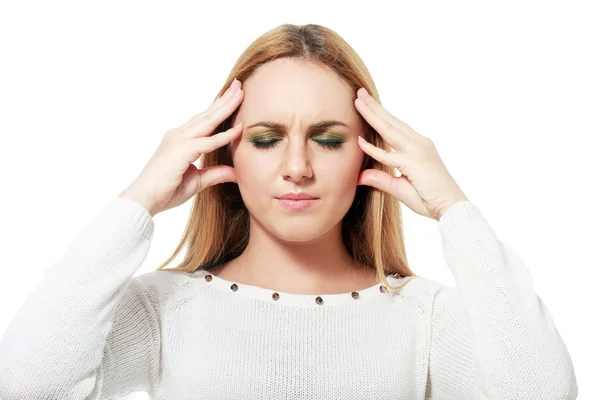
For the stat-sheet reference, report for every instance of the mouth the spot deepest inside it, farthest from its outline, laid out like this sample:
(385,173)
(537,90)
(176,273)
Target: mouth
(297,205)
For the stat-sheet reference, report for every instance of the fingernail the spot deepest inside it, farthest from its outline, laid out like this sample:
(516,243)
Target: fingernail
(231,87)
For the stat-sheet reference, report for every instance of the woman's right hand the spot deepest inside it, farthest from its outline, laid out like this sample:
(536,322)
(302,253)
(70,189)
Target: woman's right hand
(170,178)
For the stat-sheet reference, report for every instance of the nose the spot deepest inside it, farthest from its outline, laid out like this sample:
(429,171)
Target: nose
(296,164)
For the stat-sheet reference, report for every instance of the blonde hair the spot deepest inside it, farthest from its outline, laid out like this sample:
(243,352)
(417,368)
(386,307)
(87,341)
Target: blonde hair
(218,226)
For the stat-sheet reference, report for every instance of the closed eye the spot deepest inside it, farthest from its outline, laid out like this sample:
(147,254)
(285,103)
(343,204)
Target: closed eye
(269,144)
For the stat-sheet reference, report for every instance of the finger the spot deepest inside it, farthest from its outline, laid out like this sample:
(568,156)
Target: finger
(379,109)
(211,143)
(385,157)
(384,128)
(386,115)
(214,175)
(393,131)
(230,93)
(207,124)
(233,89)
(398,186)
(378,179)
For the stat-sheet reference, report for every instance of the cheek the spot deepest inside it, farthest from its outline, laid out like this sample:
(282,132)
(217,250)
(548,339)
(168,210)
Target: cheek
(343,181)
(341,174)
(255,177)
(251,167)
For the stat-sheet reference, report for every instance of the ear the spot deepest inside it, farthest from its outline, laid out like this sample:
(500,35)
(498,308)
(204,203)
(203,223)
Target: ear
(228,155)
(365,162)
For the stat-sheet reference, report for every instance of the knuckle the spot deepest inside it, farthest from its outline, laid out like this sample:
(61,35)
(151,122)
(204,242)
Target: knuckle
(205,145)
(171,136)
(169,133)
(427,141)
(207,122)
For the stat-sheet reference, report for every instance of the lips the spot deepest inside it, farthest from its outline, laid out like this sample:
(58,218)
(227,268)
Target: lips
(297,205)
(297,197)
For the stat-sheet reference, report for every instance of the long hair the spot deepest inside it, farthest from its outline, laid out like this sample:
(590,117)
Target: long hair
(219,223)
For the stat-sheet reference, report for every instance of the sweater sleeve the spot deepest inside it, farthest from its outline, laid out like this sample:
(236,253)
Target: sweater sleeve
(88,329)
(492,335)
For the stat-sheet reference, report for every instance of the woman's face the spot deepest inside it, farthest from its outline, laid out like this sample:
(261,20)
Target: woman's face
(322,162)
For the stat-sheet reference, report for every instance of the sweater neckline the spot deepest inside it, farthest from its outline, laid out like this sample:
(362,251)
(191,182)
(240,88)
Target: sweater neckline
(377,291)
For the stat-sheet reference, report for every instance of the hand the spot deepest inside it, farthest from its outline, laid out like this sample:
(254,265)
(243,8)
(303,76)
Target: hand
(426,186)
(170,178)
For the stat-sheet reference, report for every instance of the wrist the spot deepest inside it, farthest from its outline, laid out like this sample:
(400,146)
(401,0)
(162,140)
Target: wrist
(449,204)
(140,199)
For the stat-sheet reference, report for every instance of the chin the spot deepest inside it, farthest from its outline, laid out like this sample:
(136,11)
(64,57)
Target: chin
(297,232)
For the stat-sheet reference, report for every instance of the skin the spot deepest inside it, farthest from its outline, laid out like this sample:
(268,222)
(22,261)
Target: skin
(291,251)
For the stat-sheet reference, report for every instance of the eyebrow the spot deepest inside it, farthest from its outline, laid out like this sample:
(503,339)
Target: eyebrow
(318,125)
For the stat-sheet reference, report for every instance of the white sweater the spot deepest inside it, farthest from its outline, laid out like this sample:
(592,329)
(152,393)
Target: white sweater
(91,330)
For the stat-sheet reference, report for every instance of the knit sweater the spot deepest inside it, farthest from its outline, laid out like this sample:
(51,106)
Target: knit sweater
(93,330)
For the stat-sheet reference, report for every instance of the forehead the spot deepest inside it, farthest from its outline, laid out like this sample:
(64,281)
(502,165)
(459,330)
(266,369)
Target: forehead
(286,88)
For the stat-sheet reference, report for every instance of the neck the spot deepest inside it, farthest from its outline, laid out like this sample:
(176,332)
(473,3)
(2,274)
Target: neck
(322,265)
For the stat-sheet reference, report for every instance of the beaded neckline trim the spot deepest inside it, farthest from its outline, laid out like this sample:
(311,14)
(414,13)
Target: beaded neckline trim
(316,300)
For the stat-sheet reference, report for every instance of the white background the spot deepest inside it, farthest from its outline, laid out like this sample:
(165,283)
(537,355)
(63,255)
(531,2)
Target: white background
(508,92)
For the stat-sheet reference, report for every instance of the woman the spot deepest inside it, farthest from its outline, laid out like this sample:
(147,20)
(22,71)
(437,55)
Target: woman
(279,297)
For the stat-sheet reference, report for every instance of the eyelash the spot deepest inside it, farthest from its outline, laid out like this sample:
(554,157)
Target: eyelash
(266,145)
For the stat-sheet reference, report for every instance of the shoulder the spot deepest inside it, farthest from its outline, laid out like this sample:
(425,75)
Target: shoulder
(427,291)
(163,287)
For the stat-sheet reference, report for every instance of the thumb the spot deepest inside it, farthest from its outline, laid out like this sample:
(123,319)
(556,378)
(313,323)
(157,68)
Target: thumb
(214,175)
(378,179)
(195,180)
(398,186)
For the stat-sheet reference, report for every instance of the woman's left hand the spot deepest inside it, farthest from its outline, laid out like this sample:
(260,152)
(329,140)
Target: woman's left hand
(426,186)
